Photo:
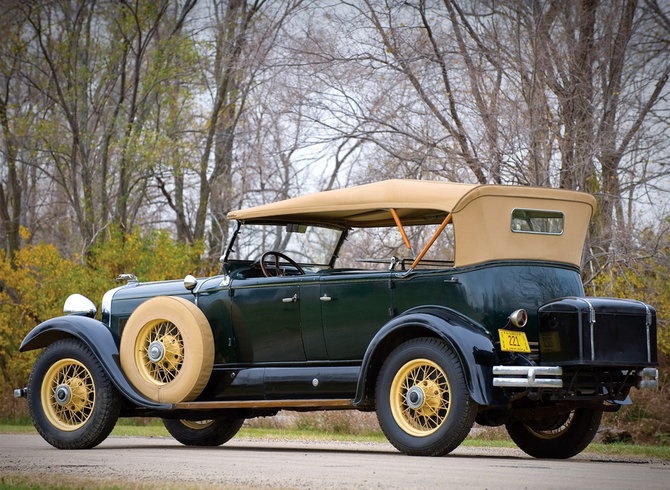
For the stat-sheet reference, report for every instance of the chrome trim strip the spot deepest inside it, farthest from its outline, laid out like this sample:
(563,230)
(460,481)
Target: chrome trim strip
(592,322)
(106,303)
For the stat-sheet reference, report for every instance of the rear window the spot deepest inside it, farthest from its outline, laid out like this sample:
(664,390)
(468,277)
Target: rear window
(537,221)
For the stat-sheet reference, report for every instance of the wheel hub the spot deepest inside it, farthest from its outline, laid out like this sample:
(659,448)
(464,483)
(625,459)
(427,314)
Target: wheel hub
(63,395)
(415,397)
(156,351)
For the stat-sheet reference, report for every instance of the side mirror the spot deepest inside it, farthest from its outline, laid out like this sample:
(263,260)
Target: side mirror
(190,282)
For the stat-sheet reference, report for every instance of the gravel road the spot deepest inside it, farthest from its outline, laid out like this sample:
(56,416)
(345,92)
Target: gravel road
(144,462)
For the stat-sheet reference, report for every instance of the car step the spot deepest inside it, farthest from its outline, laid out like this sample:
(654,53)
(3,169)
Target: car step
(302,403)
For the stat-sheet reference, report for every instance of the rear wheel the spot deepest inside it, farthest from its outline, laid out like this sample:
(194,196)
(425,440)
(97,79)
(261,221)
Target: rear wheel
(213,432)
(423,404)
(72,401)
(558,437)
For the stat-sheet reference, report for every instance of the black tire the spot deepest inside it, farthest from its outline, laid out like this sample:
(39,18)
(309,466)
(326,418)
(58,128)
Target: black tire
(558,437)
(72,401)
(212,432)
(423,403)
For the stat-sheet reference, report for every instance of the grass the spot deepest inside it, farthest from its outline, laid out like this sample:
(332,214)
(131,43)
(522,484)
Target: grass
(621,449)
(17,481)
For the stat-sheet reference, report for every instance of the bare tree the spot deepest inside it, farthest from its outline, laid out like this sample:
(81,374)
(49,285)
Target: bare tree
(597,71)
(544,93)
(243,33)
(97,78)
(11,189)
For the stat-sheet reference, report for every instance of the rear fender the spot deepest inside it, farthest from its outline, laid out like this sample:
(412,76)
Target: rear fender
(97,337)
(468,339)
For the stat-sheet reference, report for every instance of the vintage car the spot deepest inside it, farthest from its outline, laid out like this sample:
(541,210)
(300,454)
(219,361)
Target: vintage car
(485,321)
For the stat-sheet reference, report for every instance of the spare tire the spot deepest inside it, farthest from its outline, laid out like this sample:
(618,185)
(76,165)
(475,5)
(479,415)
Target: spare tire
(167,349)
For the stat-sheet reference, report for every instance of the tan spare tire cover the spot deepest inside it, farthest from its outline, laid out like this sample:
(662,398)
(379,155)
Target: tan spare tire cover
(167,349)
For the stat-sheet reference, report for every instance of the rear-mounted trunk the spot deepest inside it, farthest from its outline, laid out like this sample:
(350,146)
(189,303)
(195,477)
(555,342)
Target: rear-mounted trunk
(597,332)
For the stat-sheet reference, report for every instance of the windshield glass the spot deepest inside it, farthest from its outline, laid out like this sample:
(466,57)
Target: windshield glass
(305,244)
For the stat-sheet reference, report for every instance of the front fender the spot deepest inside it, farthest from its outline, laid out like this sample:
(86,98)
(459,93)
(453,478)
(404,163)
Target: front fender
(97,337)
(468,339)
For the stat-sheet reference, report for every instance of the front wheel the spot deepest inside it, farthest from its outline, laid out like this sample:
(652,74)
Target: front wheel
(213,432)
(72,401)
(423,404)
(558,437)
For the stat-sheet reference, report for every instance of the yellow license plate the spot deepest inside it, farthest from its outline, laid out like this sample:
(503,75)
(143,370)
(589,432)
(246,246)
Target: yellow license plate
(512,341)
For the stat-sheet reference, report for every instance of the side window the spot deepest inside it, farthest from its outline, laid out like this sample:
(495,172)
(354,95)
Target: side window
(537,221)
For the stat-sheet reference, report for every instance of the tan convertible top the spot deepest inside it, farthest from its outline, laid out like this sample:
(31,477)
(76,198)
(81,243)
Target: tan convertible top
(480,214)
(416,201)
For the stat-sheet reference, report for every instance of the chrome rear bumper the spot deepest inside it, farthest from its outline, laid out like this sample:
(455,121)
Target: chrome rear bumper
(550,377)
(528,376)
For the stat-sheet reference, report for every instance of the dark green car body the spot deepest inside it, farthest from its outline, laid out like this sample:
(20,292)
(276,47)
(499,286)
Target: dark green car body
(501,332)
(331,338)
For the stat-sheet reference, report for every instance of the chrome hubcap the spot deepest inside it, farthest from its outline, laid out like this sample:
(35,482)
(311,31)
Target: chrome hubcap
(63,395)
(414,397)
(156,351)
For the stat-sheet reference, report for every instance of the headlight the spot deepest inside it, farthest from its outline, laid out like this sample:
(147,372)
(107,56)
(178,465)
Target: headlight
(76,304)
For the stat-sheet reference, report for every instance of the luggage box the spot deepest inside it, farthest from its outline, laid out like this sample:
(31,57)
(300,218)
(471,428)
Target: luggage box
(597,332)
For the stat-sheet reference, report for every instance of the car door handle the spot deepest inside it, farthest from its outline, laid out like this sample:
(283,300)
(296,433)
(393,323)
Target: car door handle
(292,299)
(325,297)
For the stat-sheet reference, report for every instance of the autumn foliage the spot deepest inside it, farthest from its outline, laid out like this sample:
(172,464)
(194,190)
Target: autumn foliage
(36,282)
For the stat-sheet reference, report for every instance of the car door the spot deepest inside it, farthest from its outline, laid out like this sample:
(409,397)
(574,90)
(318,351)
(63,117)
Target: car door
(354,306)
(265,315)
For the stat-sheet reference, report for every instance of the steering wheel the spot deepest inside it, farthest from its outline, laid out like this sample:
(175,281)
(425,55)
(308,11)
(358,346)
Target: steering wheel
(267,259)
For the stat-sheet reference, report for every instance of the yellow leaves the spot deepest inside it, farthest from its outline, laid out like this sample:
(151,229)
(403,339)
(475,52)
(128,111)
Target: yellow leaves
(32,289)
(24,233)
(153,256)
(40,277)
(35,285)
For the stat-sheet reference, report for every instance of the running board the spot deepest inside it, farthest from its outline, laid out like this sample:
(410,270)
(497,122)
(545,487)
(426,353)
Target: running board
(315,404)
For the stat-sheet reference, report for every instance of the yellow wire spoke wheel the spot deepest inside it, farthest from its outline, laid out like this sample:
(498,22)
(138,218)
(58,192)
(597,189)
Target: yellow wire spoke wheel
(71,398)
(167,349)
(68,394)
(159,351)
(419,397)
(550,428)
(422,400)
